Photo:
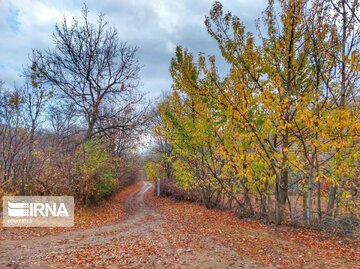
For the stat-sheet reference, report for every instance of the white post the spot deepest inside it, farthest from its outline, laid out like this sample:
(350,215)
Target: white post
(158,187)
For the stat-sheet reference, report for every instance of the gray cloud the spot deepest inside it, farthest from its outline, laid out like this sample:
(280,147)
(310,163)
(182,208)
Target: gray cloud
(156,27)
(3,15)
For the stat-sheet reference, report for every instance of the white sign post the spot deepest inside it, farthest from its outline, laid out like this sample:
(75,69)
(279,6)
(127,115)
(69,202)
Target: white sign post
(158,187)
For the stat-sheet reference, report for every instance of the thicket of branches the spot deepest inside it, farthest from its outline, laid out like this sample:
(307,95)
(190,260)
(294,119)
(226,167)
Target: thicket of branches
(73,127)
(281,130)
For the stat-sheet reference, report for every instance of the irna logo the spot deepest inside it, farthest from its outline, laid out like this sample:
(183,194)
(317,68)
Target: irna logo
(37,209)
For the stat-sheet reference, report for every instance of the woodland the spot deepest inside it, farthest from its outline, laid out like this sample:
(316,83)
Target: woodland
(257,165)
(278,137)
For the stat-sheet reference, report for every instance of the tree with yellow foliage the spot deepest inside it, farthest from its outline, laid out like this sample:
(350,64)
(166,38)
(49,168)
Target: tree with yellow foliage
(281,119)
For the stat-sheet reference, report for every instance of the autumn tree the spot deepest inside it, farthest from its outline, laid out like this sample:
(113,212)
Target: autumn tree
(273,76)
(345,60)
(273,124)
(92,71)
(160,147)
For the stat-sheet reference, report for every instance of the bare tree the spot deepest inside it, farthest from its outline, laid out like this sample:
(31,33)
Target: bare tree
(133,123)
(12,138)
(63,120)
(91,69)
(35,99)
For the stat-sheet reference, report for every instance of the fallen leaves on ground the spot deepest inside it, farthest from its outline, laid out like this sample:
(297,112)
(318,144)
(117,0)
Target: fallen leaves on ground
(178,234)
(148,240)
(129,252)
(106,212)
(281,246)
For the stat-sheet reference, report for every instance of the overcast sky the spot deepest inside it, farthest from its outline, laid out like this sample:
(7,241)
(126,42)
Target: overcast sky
(155,26)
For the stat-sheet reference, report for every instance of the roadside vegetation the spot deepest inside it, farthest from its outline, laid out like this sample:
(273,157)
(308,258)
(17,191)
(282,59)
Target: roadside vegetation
(272,140)
(277,137)
(252,161)
(74,126)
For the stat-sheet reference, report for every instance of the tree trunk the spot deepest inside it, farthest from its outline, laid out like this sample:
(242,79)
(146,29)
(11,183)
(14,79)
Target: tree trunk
(90,129)
(304,196)
(281,196)
(308,207)
(319,200)
(282,182)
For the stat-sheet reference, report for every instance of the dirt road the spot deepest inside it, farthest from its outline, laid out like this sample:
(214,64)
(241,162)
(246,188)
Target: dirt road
(144,239)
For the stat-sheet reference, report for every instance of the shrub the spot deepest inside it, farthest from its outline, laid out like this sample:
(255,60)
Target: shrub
(4,193)
(153,171)
(97,173)
(168,188)
(339,226)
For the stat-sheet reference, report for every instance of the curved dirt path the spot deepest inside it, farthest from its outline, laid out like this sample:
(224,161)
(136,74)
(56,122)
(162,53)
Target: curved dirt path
(141,240)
